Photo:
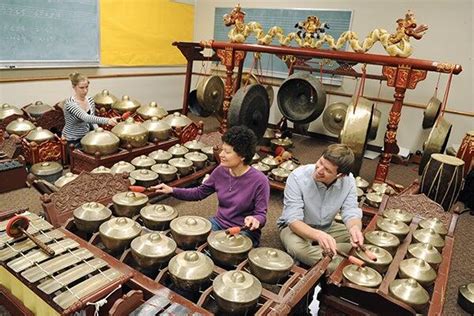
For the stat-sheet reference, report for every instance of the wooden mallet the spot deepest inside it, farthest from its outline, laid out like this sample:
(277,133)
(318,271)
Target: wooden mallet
(18,225)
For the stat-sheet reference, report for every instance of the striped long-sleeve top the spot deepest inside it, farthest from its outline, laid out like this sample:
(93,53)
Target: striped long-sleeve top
(77,121)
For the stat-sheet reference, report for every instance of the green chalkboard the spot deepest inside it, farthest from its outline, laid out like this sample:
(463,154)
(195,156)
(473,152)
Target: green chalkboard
(56,33)
(339,21)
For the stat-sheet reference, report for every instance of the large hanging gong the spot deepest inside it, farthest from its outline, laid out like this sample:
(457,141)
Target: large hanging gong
(436,142)
(334,116)
(250,107)
(431,113)
(194,105)
(356,128)
(210,93)
(301,98)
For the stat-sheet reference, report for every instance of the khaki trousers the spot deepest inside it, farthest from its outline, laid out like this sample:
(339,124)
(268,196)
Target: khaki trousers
(304,251)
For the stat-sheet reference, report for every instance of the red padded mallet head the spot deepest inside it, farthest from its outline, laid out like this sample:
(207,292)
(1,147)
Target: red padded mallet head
(13,226)
(126,115)
(137,188)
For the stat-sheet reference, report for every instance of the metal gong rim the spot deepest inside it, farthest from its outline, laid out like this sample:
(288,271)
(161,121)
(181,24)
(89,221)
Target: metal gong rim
(301,98)
(210,93)
(334,117)
(271,93)
(194,105)
(436,142)
(431,113)
(355,131)
(250,107)
(374,124)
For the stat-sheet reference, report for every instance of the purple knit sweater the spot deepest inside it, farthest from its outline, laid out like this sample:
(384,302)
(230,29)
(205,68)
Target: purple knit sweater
(238,197)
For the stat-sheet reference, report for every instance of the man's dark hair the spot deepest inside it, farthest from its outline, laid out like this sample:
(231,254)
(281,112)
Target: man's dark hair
(243,141)
(340,155)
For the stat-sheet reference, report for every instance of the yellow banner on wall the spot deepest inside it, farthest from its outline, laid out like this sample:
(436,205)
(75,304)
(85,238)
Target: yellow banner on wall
(140,32)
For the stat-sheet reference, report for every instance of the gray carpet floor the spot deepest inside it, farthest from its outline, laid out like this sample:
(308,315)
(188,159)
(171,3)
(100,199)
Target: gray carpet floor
(307,150)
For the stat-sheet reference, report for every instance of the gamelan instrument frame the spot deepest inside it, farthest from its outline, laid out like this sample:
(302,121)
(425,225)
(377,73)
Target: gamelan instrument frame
(338,293)
(400,73)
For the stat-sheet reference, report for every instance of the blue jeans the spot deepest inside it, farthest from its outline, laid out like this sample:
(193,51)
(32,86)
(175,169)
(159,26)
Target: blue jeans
(253,237)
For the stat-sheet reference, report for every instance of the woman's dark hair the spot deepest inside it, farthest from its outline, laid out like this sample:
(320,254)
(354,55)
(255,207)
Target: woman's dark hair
(243,141)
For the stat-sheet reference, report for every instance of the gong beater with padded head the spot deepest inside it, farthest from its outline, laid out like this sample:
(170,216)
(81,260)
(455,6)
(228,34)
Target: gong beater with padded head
(301,98)
(250,107)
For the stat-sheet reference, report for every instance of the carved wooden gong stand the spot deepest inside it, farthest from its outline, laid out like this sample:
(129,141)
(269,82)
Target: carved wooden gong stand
(400,73)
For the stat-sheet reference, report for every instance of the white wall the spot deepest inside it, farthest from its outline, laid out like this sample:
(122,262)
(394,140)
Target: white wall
(449,39)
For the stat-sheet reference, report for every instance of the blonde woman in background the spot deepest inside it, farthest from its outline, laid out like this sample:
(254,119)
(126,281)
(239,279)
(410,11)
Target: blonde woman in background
(79,111)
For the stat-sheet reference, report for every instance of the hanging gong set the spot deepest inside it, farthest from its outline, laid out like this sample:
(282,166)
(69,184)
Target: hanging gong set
(436,142)
(440,127)
(356,128)
(334,117)
(250,106)
(194,105)
(208,96)
(301,98)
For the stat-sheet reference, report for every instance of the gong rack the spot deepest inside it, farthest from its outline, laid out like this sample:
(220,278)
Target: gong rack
(50,150)
(81,161)
(98,187)
(341,297)
(400,73)
(75,279)
(287,296)
(52,120)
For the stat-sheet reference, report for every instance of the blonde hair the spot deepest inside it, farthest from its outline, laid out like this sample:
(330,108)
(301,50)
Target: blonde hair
(77,77)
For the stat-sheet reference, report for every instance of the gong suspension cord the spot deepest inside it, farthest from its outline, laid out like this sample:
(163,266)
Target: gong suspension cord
(445,99)
(361,87)
(321,72)
(254,66)
(378,95)
(437,84)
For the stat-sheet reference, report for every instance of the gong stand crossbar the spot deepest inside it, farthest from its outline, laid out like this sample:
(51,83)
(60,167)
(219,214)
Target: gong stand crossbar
(400,73)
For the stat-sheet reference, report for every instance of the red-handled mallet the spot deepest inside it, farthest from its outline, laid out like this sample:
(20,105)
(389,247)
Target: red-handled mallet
(368,253)
(18,225)
(235,230)
(137,188)
(352,259)
(126,115)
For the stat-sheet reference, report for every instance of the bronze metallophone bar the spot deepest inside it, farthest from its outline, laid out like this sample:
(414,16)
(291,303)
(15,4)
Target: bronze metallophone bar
(79,275)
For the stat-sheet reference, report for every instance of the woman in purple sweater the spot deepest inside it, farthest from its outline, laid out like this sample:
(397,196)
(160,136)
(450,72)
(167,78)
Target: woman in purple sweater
(242,191)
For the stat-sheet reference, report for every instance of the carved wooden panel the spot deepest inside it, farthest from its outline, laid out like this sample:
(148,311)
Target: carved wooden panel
(51,150)
(52,120)
(87,187)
